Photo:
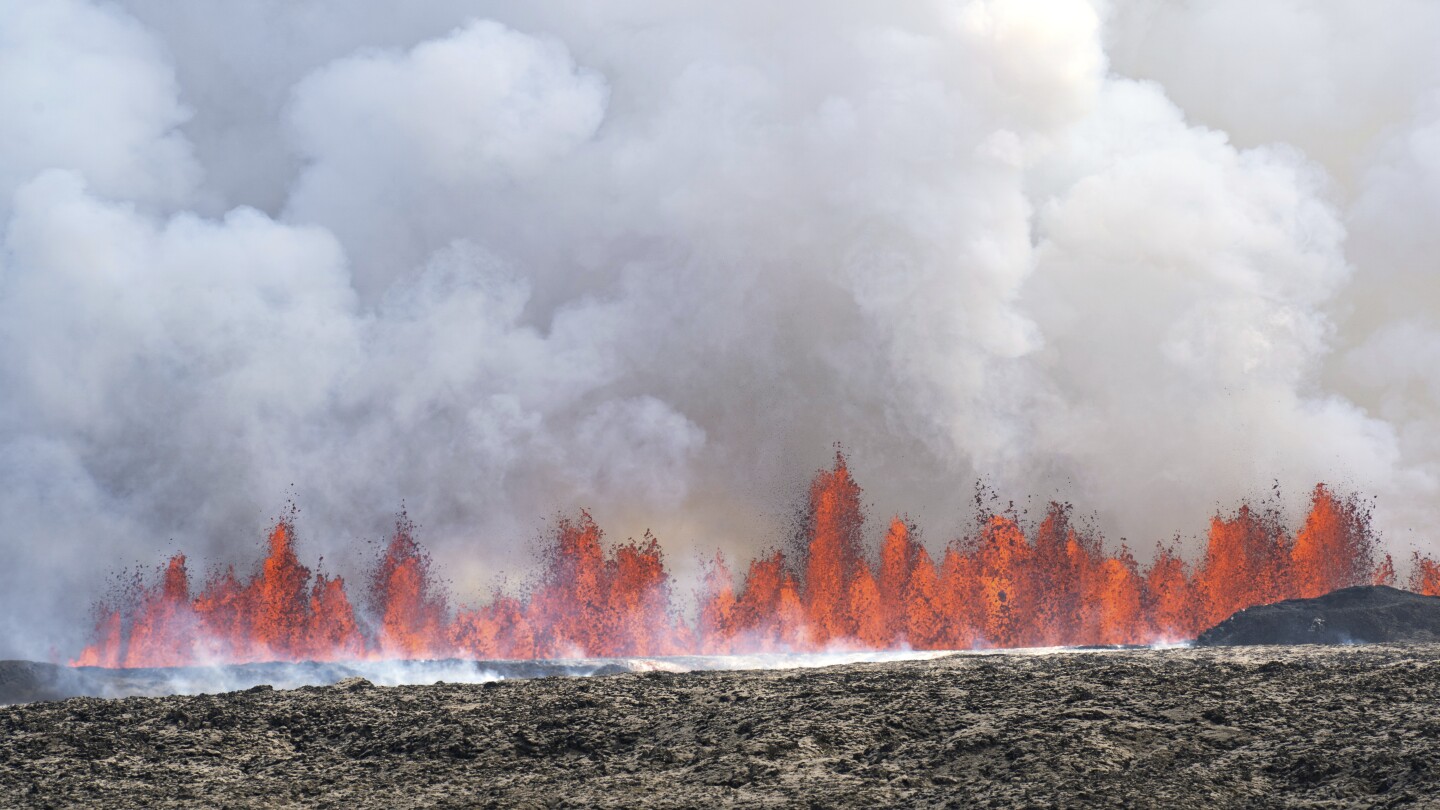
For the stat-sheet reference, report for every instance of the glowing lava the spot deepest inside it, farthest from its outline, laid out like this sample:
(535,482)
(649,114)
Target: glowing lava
(1000,587)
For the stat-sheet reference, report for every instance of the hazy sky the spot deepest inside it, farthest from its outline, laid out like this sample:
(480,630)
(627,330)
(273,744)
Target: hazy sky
(500,260)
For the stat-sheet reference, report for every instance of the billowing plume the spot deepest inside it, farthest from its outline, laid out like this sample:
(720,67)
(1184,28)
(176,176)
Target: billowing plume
(496,260)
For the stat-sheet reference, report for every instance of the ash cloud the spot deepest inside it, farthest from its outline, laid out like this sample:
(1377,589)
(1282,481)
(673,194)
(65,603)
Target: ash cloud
(495,260)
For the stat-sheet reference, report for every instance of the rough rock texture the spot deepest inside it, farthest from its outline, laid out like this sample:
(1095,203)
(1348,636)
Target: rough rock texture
(1306,726)
(1361,615)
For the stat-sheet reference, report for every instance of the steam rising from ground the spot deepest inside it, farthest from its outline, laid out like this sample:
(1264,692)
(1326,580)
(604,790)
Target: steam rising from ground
(54,683)
(496,259)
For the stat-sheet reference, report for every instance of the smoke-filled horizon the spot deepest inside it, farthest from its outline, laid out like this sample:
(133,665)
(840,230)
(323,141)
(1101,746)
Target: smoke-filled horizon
(497,261)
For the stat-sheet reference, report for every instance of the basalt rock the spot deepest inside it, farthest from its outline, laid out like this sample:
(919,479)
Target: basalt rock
(1306,726)
(1367,614)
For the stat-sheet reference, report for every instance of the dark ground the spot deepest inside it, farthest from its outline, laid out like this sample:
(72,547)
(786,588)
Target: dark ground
(1367,613)
(1309,726)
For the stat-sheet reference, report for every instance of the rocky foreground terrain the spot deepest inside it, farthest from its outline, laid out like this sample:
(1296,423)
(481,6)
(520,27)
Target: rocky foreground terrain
(1310,726)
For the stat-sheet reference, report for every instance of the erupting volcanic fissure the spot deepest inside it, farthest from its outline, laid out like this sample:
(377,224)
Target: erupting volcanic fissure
(1002,586)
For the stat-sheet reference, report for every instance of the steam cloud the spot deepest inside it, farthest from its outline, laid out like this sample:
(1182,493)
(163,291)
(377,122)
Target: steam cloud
(498,259)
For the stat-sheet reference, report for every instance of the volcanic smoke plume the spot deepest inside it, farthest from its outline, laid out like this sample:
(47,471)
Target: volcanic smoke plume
(1000,587)
(488,261)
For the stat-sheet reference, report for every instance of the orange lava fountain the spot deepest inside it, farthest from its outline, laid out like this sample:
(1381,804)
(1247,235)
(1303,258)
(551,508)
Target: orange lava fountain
(1000,587)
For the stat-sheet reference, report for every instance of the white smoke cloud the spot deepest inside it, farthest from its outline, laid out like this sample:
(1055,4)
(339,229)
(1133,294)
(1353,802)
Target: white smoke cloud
(448,128)
(86,87)
(497,260)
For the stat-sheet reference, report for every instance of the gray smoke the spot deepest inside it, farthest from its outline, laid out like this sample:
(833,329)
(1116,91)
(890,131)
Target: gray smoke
(496,260)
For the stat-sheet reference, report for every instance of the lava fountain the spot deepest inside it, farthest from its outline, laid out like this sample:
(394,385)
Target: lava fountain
(1004,585)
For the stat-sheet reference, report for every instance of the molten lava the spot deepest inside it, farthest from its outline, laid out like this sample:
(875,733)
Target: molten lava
(1000,587)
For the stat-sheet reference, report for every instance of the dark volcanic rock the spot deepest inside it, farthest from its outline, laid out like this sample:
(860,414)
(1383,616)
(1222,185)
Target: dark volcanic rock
(1367,614)
(1310,726)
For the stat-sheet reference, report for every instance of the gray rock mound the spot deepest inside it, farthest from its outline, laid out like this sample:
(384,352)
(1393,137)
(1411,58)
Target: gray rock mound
(1365,614)
(29,681)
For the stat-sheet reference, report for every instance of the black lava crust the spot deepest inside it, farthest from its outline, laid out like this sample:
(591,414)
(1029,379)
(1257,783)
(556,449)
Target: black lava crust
(1367,614)
(1206,727)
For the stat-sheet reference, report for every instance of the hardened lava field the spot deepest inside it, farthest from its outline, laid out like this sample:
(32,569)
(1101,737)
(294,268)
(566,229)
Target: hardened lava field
(1308,726)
